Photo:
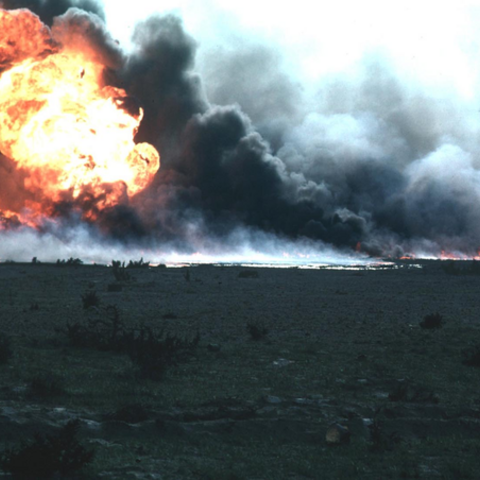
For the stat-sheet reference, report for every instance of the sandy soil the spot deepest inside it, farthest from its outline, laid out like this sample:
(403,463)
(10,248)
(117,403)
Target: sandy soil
(342,346)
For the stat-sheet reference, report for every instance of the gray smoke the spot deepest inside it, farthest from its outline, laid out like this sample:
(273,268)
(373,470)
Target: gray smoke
(47,10)
(366,162)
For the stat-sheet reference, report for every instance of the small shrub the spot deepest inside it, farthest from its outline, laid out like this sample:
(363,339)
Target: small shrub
(257,332)
(6,352)
(471,356)
(152,351)
(46,386)
(138,264)
(450,268)
(377,437)
(131,413)
(34,307)
(46,456)
(434,320)
(90,299)
(70,262)
(471,268)
(399,393)
(474,268)
(406,391)
(248,274)
(101,333)
(120,271)
(114,287)
(381,441)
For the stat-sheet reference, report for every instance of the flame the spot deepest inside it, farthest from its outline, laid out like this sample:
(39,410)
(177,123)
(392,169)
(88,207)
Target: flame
(445,255)
(69,132)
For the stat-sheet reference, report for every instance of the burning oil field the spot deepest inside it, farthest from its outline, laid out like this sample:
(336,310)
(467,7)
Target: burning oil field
(339,142)
(373,162)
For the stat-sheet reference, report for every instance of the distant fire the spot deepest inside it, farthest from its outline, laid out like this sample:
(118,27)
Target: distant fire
(443,255)
(70,133)
(458,256)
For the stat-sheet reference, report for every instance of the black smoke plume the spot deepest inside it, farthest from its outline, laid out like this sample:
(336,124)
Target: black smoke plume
(47,10)
(367,164)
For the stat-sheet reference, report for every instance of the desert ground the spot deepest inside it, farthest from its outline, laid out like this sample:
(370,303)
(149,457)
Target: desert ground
(264,361)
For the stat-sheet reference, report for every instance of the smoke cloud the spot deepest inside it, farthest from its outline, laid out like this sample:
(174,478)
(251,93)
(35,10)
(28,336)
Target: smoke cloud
(367,162)
(47,10)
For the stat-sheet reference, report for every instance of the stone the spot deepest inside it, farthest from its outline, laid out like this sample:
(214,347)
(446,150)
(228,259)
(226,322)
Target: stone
(213,347)
(272,399)
(282,362)
(337,434)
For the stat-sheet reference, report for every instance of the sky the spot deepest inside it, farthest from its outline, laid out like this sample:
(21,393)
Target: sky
(434,43)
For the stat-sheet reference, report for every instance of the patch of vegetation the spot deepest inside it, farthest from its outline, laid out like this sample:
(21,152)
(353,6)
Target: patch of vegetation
(257,332)
(450,268)
(99,333)
(152,351)
(71,261)
(131,413)
(46,456)
(406,391)
(114,287)
(471,356)
(431,321)
(6,352)
(474,268)
(46,386)
(381,440)
(248,274)
(90,299)
(453,267)
(138,264)
(119,271)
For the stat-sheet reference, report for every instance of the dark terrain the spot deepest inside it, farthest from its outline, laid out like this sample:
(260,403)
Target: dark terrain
(282,355)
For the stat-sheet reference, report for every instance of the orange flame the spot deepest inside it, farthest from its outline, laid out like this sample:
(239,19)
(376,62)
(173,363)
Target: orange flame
(444,255)
(68,131)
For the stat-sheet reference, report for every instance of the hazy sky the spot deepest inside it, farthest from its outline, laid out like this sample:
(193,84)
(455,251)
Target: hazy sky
(436,43)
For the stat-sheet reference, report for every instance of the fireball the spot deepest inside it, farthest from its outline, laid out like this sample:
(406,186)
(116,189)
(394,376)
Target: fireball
(61,124)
